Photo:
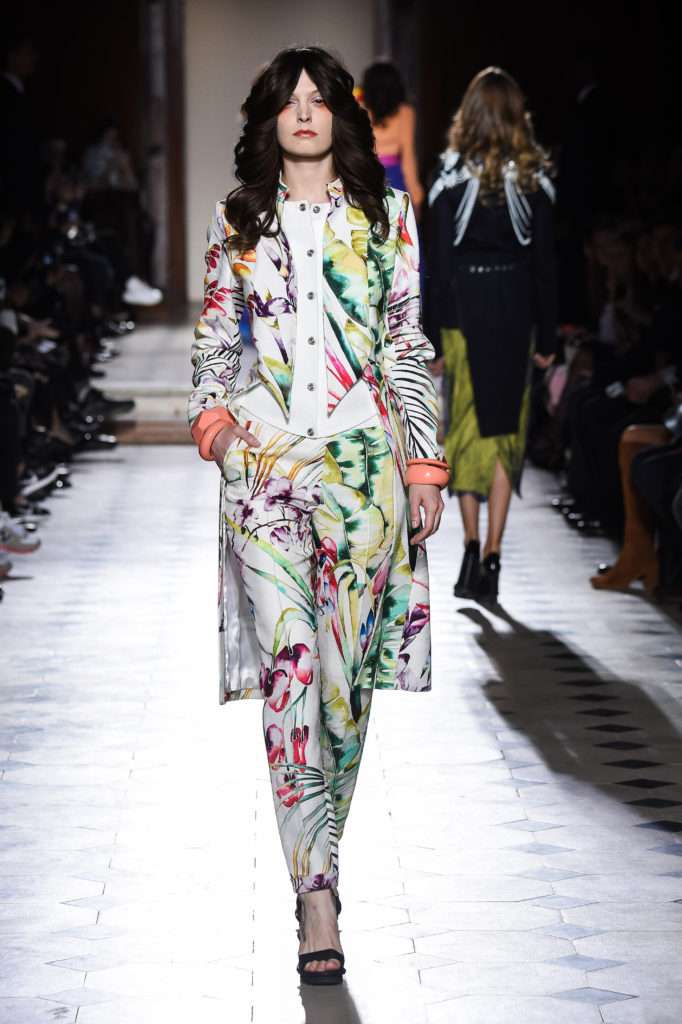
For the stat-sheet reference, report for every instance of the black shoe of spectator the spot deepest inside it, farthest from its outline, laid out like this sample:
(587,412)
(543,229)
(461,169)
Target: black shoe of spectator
(97,403)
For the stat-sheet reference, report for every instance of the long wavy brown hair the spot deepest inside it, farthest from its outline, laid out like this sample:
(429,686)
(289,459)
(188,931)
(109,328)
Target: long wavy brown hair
(251,207)
(492,127)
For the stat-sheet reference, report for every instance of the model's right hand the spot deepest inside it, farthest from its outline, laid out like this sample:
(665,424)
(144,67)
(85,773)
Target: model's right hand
(223,440)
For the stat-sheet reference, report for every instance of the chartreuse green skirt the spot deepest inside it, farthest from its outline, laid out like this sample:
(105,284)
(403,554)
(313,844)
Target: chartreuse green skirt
(473,458)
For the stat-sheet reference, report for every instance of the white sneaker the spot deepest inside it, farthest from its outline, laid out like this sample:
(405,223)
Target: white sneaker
(14,538)
(139,293)
(5,566)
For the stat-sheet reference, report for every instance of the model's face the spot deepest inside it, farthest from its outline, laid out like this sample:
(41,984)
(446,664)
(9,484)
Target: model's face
(304,126)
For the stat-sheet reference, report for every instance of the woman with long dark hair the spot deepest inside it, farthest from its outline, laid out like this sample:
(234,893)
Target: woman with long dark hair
(492,298)
(384,96)
(328,455)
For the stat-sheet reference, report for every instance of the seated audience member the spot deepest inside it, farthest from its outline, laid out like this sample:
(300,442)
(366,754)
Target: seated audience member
(112,202)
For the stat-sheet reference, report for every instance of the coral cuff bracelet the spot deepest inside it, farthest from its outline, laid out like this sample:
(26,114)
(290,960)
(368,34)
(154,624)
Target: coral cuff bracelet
(427,471)
(208,425)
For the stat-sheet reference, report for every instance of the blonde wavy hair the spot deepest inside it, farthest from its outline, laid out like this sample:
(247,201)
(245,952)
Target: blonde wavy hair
(492,127)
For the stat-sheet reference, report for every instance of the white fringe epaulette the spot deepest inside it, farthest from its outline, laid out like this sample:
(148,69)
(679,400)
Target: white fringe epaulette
(455,172)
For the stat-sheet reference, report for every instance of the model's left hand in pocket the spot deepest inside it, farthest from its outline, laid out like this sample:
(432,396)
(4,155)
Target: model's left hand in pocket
(426,497)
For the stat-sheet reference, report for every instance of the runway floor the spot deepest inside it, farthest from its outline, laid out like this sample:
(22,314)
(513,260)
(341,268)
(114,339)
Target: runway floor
(513,853)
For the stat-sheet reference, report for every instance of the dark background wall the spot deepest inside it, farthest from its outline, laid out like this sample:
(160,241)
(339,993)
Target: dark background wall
(635,50)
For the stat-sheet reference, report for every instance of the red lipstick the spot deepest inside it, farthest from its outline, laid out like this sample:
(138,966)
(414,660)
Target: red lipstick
(305,133)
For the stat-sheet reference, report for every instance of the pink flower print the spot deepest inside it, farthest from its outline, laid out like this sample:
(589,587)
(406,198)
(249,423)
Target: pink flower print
(278,490)
(244,513)
(280,537)
(274,745)
(275,687)
(213,255)
(216,299)
(379,581)
(327,587)
(302,661)
(291,791)
(299,738)
(402,230)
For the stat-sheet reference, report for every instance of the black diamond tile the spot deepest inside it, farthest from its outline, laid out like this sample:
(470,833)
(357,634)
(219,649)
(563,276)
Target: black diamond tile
(602,712)
(592,696)
(632,763)
(664,825)
(654,801)
(674,850)
(621,745)
(611,727)
(583,682)
(643,783)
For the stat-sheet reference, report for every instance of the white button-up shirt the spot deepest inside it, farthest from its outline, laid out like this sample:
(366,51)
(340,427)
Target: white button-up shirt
(303,224)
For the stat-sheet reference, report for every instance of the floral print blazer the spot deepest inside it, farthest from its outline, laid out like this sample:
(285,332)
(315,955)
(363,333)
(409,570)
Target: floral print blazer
(371,314)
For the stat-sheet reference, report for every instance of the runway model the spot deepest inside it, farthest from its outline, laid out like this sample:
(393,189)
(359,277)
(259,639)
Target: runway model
(492,297)
(331,474)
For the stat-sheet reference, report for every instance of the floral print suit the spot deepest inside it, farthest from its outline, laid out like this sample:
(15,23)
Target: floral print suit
(322,597)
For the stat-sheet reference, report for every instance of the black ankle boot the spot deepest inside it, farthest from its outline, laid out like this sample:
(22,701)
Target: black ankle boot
(489,578)
(466,585)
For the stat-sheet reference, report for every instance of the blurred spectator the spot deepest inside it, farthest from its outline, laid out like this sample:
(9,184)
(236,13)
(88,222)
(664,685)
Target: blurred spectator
(20,166)
(112,202)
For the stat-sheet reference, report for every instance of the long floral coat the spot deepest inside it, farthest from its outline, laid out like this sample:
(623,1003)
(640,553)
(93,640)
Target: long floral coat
(372,329)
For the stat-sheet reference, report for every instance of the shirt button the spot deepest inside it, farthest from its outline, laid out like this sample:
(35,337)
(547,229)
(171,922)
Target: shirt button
(310,431)
(316,209)
(301,206)
(311,295)
(311,387)
(311,341)
(310,252)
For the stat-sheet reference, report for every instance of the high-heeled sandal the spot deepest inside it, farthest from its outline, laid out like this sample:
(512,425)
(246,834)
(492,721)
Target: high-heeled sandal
(333,976)
(489,579)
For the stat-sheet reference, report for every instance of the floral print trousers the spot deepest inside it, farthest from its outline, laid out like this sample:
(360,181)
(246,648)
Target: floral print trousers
(312,523)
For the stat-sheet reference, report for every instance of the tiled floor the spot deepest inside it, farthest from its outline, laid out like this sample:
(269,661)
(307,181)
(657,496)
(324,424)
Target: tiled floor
(512,856)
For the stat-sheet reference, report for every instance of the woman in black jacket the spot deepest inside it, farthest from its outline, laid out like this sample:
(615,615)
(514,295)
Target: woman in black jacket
(492,301)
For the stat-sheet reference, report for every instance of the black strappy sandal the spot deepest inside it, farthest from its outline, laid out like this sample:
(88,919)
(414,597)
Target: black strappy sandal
(328,977)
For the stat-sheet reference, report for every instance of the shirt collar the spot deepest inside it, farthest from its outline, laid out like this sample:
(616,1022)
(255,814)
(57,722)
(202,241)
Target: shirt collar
(334,190)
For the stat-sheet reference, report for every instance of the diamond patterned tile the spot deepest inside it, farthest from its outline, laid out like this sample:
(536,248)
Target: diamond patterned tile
(597,996)
(136,772)
(612,727)
(530,826)
(621,745)
(561,902)
(584,963)
(632,763)
(642,783)
(567,930)
(541,849)
(550,874)
(654,801)
(663,825)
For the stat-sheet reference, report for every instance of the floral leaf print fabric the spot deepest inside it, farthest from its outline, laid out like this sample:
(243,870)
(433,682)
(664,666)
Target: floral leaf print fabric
(371,316)
(318,531)
(319,534)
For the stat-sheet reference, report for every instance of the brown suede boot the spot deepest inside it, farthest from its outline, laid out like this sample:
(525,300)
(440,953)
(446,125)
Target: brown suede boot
(638,558)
